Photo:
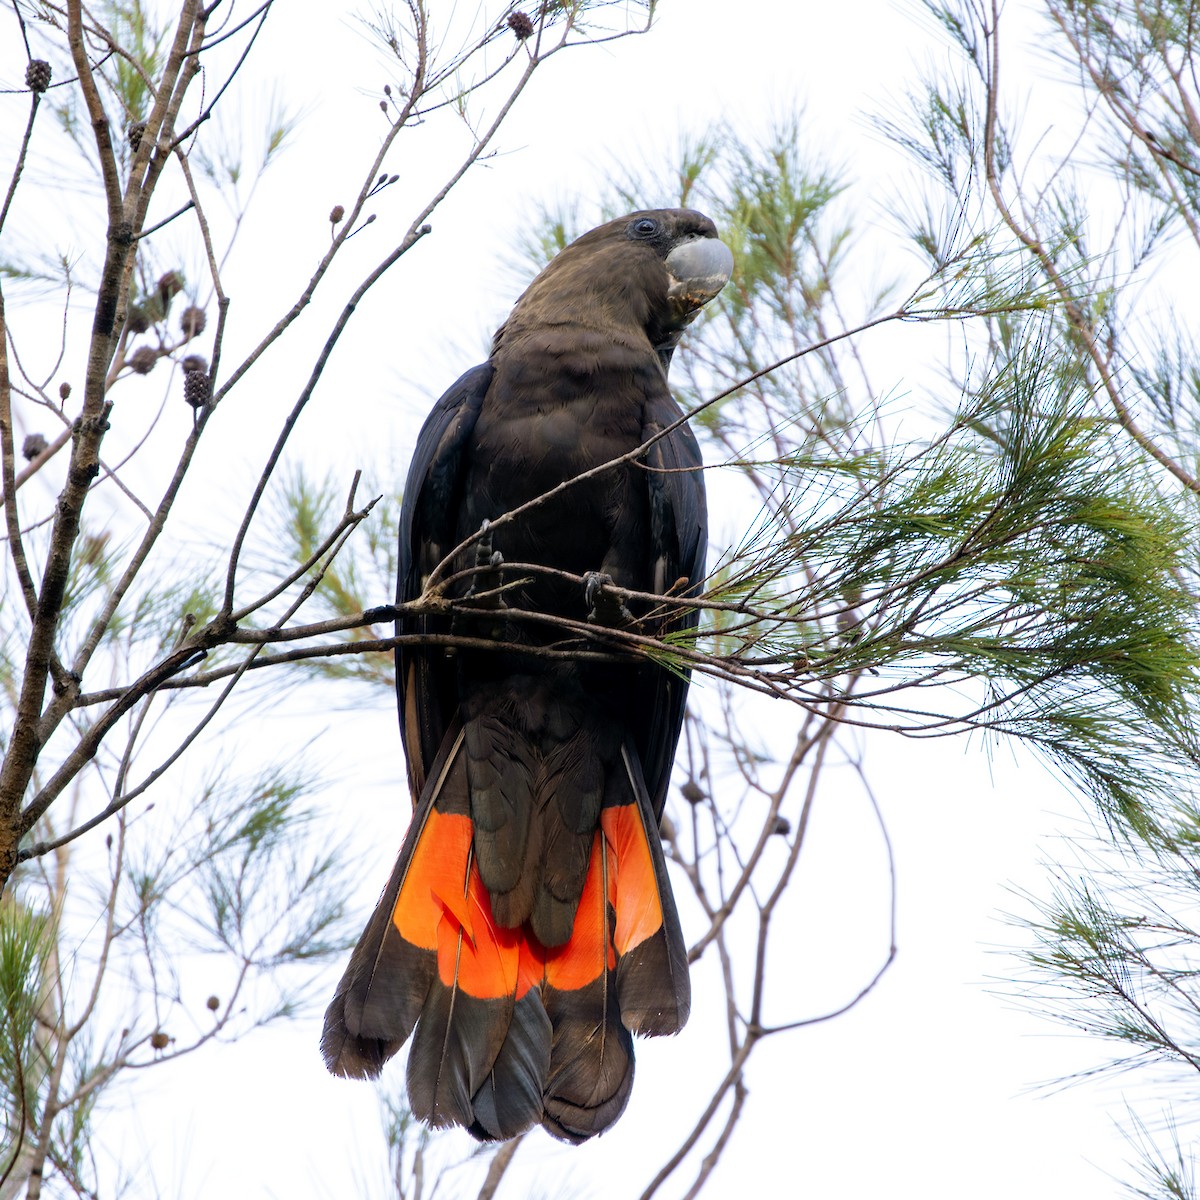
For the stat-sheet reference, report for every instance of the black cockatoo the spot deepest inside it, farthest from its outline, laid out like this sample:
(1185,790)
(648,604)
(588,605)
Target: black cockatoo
(528,927)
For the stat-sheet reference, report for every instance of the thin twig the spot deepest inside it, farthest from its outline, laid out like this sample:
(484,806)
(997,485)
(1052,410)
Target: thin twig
(35,100)
(167,220)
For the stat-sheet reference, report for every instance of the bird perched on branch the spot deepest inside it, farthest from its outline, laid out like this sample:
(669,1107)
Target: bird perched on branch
(528,927)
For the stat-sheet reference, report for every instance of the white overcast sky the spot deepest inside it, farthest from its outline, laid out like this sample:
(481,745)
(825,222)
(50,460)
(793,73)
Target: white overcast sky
(923,1090)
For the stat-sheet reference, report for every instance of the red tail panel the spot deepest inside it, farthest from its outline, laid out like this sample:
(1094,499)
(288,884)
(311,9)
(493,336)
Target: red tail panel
(484,961)
(589,952)
(434,878)
(634,885)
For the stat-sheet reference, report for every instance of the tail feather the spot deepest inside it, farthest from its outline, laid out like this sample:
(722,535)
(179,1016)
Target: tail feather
(557,897)
(500,773)
(377,1002)
(591,1062)
(509,1030)
(653,985)
(467,1017)
(457,1041)
(511,1099)
(385,985)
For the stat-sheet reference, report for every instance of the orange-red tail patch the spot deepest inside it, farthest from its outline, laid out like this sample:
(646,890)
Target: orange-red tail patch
(442,905)
(634,885)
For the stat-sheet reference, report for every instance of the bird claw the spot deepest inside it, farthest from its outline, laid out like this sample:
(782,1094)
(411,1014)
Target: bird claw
(603,607)
(485,556)
(487,561)
(483,595)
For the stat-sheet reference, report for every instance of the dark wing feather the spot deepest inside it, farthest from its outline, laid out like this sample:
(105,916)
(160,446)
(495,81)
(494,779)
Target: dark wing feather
(678,549)
(424,684)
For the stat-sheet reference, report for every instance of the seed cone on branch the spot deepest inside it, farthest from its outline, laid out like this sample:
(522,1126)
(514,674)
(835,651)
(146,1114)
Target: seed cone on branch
(196,389)
(169,286)
(521,25)
(192,321)
(142,360)
(37,75)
